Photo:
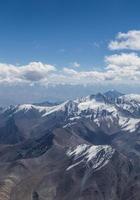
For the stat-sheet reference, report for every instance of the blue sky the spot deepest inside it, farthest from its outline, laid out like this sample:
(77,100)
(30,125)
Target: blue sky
(63,31)
(87,45)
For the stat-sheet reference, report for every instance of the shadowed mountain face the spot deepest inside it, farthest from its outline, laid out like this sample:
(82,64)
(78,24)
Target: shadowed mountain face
(86,149)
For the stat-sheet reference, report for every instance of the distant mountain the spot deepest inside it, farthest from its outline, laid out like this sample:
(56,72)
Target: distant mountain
(47,103)
(113,94)
(86,149)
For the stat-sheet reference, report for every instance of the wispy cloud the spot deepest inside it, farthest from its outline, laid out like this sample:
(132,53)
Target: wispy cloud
(76,64)
(96,44)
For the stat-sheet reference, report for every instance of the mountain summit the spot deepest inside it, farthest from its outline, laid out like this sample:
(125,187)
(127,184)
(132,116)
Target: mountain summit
(113,94)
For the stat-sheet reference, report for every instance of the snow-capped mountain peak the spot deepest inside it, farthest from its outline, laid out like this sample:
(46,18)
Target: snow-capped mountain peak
(130,98)
(123,113)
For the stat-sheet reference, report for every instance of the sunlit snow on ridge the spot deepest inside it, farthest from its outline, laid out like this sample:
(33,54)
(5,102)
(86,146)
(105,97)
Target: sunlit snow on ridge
(95,156)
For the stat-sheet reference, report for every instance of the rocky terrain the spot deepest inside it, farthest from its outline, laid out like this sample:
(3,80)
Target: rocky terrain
(85,149)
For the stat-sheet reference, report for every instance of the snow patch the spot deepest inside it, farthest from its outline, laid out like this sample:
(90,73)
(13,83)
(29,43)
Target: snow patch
(130,97)
(94,156)
(95,105)
(129,124)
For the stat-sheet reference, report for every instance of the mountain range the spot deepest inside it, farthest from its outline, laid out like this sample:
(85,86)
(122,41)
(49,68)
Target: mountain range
(82,149)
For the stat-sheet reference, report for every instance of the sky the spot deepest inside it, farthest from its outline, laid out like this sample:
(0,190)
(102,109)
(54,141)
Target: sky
(59,49)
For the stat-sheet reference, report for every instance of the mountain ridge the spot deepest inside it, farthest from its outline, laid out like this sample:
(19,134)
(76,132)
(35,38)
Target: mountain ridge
(86,149)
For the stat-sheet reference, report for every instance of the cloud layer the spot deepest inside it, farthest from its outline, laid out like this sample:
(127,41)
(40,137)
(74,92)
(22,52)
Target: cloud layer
(121,68)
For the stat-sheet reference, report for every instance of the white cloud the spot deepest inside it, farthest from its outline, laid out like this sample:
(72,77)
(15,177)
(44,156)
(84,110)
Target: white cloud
(129,40)
(69,71)
(123,59)
(120,68)
(31,73)
(125,67)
